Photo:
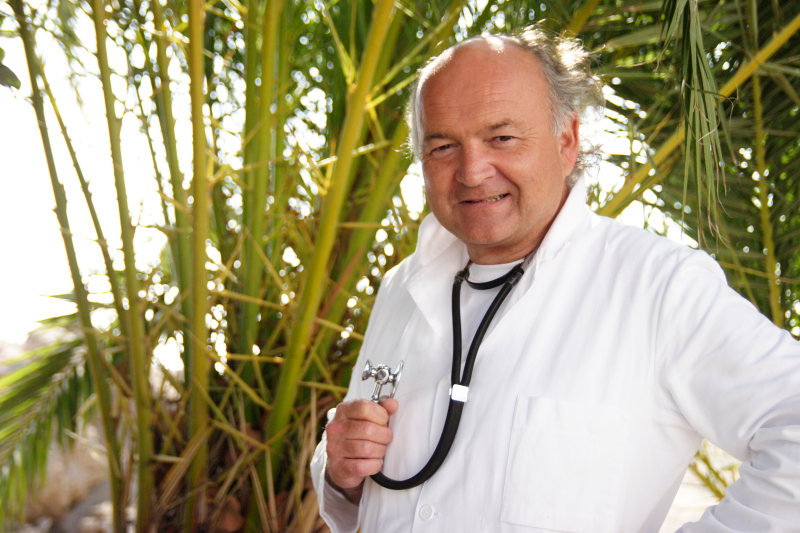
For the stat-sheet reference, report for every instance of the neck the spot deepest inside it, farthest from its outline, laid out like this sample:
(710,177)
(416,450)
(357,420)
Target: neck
(501,257)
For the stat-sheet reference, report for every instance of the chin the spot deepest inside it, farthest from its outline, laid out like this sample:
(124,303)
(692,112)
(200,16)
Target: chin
(482,239)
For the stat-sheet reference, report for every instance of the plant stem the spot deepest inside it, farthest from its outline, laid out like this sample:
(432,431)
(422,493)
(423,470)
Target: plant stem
(768,242)
(311,297)
(163,101)
(139,354)
(200,362)
(122,313)
(252,129)
(95,365)
(254,267)
(388,178)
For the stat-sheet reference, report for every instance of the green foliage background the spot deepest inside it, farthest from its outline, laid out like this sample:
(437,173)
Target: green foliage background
(279,235)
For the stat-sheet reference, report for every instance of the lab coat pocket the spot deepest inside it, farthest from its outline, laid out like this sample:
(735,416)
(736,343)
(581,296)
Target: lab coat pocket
(565,465)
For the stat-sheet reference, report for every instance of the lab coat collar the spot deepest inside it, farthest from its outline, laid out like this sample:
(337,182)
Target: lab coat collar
(565,227)
(439,256)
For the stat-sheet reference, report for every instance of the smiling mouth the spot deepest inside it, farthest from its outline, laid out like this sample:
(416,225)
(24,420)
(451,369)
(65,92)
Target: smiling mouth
(487,200)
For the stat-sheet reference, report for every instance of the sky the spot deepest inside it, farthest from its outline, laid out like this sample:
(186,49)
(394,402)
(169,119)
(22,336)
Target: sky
(34,262)
(32,251)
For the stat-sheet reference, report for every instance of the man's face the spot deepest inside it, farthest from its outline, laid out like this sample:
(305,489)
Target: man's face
(494,172)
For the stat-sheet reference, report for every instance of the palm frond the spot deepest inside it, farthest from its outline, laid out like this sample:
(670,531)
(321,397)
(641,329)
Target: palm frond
(40,397)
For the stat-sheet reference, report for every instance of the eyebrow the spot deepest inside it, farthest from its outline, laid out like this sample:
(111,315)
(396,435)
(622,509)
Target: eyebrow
(435,136)
(501,124)
(492,127)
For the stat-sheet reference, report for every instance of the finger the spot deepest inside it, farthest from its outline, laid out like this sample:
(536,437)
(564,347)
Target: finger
(364,410)
(369,431)
(348,473)
(338,432)
(390,404)
(362,449)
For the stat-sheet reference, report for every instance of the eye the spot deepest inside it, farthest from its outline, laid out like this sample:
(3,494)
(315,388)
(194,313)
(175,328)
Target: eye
(441,149)
(503,138)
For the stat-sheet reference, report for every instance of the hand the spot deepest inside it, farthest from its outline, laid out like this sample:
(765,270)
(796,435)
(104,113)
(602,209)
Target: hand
(357,440)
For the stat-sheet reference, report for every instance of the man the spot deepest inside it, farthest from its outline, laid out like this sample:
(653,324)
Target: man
(604,367)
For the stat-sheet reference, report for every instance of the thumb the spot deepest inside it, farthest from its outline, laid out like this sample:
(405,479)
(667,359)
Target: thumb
(390,404)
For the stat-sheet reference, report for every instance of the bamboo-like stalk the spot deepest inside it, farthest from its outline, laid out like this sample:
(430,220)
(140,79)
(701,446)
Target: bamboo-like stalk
(139,354)
(581,17)
(200,363)
(252,130)
(258,196)
(95,365)
(279,187)
(261,149)
(163,99)
(311,296)
(391,169)
(737,264)
(122,313)
(617,203)
(764,211)
(147,39)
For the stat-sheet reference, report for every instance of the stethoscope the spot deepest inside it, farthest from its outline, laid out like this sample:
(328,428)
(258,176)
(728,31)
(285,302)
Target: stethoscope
(459,383)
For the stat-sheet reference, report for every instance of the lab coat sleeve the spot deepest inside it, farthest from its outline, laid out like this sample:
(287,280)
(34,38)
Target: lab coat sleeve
(727,372)
(340,515)
(338,512)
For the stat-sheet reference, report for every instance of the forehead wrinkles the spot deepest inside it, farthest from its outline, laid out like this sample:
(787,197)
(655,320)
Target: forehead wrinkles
(459,93)
(448,104)
(447,113)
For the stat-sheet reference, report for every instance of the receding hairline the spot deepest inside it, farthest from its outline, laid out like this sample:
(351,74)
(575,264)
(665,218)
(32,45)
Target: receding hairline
(441,62)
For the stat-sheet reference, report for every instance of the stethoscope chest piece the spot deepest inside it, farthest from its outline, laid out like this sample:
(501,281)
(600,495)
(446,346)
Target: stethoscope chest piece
(382,375)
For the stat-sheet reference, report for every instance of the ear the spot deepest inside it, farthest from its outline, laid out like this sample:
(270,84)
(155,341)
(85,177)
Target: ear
(569,144)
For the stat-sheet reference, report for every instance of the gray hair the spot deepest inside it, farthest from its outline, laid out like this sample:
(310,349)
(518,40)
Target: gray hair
(565,64)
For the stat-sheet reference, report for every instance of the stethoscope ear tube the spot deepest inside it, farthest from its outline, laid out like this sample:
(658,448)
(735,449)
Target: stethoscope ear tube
(456,407)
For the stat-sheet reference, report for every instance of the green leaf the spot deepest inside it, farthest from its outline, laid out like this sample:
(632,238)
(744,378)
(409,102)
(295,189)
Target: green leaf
(647,35)
(7,77)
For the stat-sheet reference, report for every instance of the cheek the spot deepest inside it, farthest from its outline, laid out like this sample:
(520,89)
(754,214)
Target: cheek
(435,187)
(430,171)
(429,193)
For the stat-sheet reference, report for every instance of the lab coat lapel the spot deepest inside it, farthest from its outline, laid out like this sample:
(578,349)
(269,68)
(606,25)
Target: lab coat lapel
(573,219)
(439,253)
(565,227)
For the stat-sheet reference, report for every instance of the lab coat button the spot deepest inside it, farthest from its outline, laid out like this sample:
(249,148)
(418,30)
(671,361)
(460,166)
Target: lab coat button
(426,512)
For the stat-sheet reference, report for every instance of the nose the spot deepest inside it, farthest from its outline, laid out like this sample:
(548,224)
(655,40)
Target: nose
(475,165)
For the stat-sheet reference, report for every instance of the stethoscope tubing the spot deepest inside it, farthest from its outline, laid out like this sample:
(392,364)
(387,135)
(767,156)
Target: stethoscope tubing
(455,408)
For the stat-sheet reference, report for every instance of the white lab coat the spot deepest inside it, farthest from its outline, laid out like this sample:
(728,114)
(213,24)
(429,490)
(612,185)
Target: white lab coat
(617,352)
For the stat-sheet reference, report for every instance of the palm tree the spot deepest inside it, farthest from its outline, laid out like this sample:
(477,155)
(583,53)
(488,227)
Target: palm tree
(294,213)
